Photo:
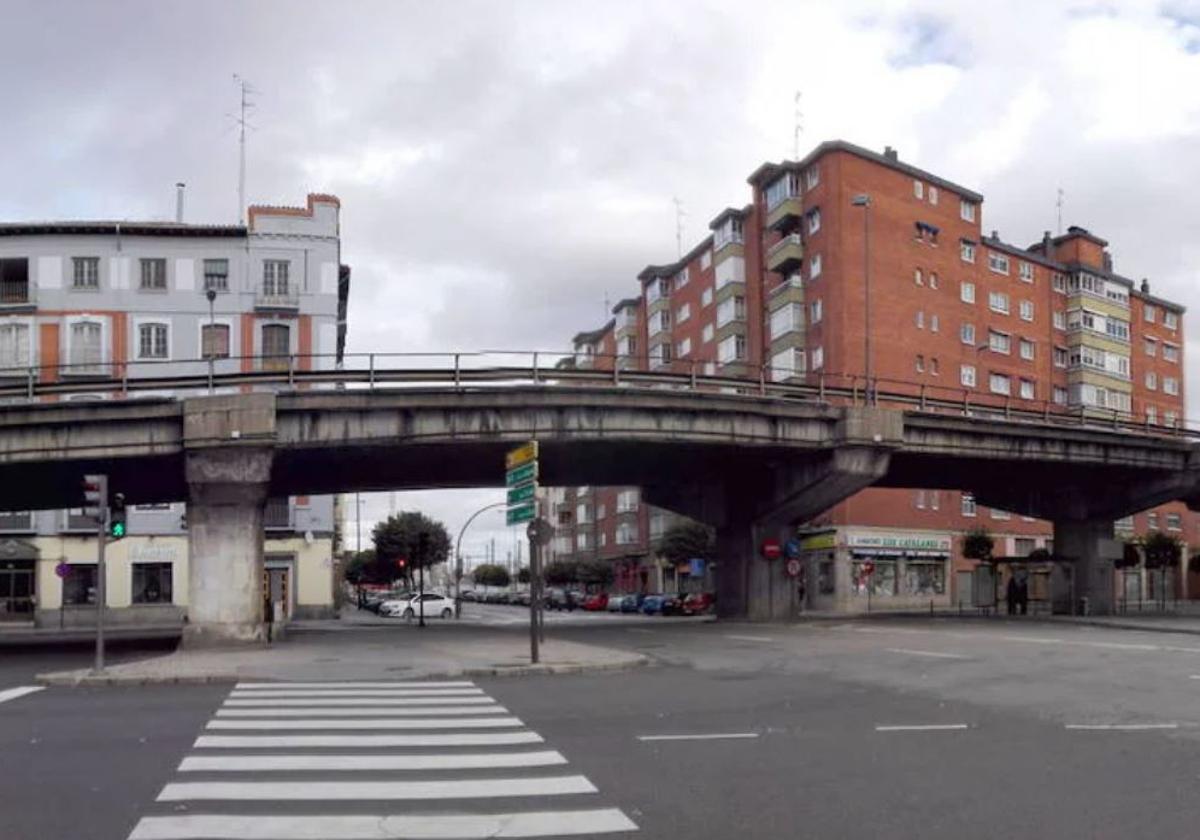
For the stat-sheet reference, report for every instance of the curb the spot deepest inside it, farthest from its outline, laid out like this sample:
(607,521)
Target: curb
(1127,625)
(75,679)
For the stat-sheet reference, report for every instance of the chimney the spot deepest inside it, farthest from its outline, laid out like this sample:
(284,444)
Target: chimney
(890,153)
(1108,264)
(1145,285)
(179,185)
(996,234)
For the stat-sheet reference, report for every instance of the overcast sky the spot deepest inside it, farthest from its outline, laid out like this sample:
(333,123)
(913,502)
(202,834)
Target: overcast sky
(507,168)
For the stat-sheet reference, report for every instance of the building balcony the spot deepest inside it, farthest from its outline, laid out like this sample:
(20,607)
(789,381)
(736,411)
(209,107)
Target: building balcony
(277,298)
(786,215)
(786,255)
(17,296)
(18,521)
(277,515)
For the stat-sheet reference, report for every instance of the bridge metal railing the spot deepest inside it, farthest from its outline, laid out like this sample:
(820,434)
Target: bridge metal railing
(543,368)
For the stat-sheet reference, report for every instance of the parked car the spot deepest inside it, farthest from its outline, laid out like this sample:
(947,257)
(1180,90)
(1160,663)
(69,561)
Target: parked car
(672,604)
(521,599)
(699,603)
(632,603)
(596,603)
(561,599)
(652,604)
(469,595)
(615,600)
(433,605)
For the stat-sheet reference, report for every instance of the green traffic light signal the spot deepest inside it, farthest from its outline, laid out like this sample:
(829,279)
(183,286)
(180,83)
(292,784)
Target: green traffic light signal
(116,516)
(117,530)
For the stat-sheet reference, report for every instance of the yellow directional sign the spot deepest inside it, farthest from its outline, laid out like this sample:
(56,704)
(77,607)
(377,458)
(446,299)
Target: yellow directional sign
(521,455)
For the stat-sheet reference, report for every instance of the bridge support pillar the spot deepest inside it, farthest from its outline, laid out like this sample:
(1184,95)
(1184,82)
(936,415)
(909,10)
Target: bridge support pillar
(228,454)
(1090,544)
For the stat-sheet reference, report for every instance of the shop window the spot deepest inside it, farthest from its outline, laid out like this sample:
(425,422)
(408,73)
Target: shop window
(152,583)
(79,586)
(825,578)
(925,577)
(881,582)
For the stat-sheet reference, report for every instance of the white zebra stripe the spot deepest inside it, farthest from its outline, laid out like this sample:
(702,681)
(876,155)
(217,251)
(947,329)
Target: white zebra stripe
(449,739)
(371,723)
(377,791)
(361,762)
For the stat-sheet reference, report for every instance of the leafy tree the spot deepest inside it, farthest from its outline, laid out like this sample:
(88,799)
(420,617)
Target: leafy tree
(523,574)
(1163,551)
(491,574)
(360,568)
(978,544)
(595,572)
(1130,555)
(561,573)
(400,537)
(686,541)
(1040,555)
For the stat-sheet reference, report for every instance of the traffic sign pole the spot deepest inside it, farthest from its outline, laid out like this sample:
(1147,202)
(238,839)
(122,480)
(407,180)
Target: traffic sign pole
(95,499)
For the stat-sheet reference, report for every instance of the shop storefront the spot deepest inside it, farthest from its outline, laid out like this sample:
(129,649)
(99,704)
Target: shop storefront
(853,570)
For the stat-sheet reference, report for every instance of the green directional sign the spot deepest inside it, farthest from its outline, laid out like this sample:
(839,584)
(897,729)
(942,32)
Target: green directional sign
(521,513)
(521,475)
(524,493)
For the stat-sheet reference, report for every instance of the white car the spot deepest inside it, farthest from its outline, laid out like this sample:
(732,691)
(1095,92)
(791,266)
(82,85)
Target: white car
(435,606)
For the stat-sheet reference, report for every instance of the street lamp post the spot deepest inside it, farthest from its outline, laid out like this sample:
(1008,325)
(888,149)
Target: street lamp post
(864,201)
(458,558)
(211,294)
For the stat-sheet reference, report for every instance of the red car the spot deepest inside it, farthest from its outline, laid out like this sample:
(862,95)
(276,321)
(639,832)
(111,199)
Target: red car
(699,603)
(596,603)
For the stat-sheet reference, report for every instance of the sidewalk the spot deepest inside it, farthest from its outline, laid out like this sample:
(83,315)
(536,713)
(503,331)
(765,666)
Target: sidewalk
(338,650)
(23,636)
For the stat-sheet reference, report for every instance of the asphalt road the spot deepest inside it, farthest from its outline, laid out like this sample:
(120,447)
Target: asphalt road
(921,729)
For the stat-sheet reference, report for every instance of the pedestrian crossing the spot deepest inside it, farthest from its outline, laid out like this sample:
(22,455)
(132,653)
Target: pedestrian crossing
(373,761)
(20,691)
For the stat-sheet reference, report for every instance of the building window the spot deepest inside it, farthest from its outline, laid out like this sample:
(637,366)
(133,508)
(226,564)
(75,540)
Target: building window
(924,577)
(814,267)
(933,323)
(1171,386)
(918,189)
(1151,380)
(87,351)
(275,277)
(86,273)
(967,292)
(967,334)
(216,275)
(1060,395)
(627,501)
(1171,320)
(815,311)
(920,363)
(933,194)
(152,583)
(966,250)
(818,358)
(583,541)
(1170,352)
(1150,345)
(14,345)
(730,310)
(1152,521)
(1027,391)
(814,220)
(154,274)
(919,499)
(1025,310)
(999,342)
(997,262)
(627,533)
(966,210)
(683,313)
(920,319)
(706,334)
(933,283)
(276,344)
(812,177)
(731,349)
(998,383)
(998,302)
(968,504)
(660,322)
(1171,418)
(787,364)
(1060,319)
(583,515)
(789,318)
(966,375)
(1151,415)
(79,586)
(917,277)
(153,341)
(1026,348)
(681,279)
(684,348)
(705,260)
(706,297)
(1150,313)
(1025,270)
(1174,522)
(1000,514)
(1060,357)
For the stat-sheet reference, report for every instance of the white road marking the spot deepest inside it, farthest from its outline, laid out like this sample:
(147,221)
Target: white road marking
(362,790)
(706,736)
(283,686)
(20,691)
(749,638)
(359,692)
(371,723)
(1122,727)
(361,762)
(383,827)
(427,702)
(925,727)
(464,739)
(308,711)
(933,653)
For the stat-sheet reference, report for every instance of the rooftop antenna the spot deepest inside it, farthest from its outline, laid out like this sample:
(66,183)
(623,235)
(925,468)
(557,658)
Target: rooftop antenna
(240,120)
(679,214)
(1059,205)
(797,127)
(606,303)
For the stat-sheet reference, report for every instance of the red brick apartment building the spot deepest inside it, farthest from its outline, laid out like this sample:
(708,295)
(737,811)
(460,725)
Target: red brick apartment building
(778,289)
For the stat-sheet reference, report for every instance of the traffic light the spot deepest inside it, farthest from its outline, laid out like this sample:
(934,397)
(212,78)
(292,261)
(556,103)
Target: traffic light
(95,496)
(401,564)
(116,516)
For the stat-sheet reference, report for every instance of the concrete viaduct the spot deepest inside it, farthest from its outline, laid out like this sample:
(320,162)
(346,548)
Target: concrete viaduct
(750,466)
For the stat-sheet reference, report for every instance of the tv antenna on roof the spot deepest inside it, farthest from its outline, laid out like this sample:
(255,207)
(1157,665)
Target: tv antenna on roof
(797,127)
(679,214)
(240,120)
(1059,204)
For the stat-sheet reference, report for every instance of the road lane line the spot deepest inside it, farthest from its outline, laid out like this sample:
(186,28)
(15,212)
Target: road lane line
(923,727)
(20,691)
(383,702)
(457,739)
(383,826)
(933,653)
(707,736)
(359,692)
(363,790)
(372,711)
(283,686)
(1121,727)
(370,723)
(749,638)
(364,762)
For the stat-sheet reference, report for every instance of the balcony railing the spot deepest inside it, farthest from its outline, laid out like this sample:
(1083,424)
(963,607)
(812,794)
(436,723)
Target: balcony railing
(17,294)
(17,520)
(276,297)
(277,515)
(786,255)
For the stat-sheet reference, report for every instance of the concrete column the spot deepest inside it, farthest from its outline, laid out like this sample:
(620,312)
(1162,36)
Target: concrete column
(735,550)
(1090,544)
